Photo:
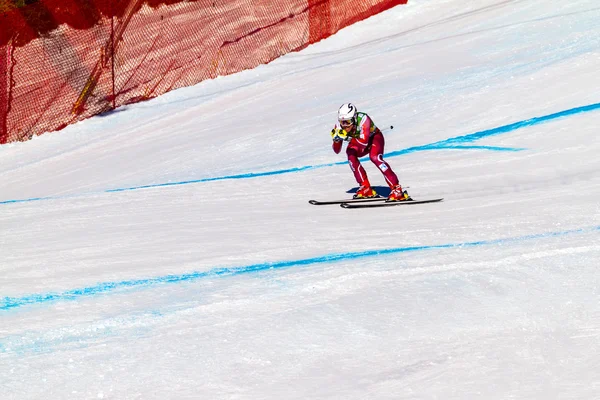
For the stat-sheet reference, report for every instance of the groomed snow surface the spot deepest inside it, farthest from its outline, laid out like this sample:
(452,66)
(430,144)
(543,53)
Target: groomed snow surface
(168,251)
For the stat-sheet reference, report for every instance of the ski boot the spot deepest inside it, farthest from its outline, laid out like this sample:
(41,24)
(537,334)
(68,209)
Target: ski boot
(365,192)
(397,194)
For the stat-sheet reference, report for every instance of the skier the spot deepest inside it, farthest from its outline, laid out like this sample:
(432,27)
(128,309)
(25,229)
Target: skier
(364,138)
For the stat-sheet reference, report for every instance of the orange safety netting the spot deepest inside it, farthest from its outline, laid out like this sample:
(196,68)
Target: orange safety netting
(65,60)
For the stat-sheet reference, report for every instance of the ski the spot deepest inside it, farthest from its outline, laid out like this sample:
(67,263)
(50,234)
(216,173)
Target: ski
(346,201)
(388,203)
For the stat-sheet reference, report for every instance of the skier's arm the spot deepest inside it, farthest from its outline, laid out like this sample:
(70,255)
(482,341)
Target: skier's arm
(337,146)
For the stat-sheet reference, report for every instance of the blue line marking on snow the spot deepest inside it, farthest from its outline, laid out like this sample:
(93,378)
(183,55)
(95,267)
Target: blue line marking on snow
(456,143)
(8,303)
(238,176)
(27,200)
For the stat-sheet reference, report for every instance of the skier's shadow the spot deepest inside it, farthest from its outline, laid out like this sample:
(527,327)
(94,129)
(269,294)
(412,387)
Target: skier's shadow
(381,190)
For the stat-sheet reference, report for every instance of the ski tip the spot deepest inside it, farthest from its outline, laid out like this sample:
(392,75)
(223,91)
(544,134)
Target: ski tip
(314,202)
(344,205)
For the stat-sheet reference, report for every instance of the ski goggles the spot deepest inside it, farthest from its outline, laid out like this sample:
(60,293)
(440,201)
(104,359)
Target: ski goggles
(346,123)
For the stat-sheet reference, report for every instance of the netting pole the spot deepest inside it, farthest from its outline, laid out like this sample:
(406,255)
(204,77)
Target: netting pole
(5,87)
(112,58)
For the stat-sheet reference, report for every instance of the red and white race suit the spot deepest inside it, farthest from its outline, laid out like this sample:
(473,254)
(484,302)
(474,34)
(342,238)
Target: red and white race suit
(366,138)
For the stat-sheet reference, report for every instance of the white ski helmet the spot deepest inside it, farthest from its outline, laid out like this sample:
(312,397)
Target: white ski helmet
(347,112)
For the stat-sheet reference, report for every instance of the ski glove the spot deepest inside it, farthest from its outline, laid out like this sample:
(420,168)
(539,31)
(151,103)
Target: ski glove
(338,134)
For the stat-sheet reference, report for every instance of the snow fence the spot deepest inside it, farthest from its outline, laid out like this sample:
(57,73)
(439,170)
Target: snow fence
(65,60)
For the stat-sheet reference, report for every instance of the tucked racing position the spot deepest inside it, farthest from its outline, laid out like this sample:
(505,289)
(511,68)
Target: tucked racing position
(363,138)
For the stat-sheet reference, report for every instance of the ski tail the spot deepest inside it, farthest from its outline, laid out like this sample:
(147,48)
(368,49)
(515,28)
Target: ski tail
(347,201)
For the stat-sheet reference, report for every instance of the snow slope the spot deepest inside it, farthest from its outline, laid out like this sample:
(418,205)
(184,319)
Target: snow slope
(167,250)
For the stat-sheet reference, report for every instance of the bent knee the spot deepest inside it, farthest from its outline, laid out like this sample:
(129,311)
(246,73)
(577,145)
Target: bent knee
(376,158)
